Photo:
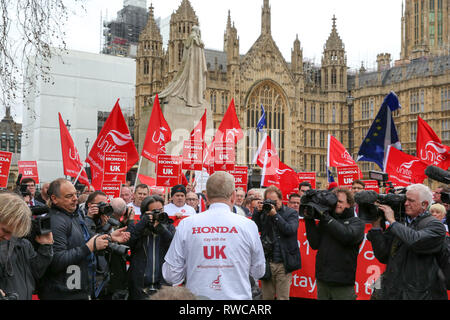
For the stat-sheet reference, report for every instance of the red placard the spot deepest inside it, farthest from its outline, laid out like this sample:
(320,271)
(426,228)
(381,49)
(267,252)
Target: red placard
(29,169)
(115,166)
(192,155)
(224,156)
(5,165)
(346,175)
(111,189)
(168,170)
(372,185)
(240,177)
(308,177)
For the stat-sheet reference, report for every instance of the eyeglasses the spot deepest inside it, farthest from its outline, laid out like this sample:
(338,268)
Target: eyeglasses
(191,199)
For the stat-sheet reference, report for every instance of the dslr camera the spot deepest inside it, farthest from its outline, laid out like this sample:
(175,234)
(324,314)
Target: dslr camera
(116,248)
(105,209)
(268,205)
(368,210)
(315,203)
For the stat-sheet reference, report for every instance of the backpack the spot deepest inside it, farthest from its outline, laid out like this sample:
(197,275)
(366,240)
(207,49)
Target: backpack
(443,256)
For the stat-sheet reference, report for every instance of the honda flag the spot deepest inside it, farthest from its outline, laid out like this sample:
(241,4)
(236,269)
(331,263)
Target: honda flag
(404,169)
(158,134)
(114,137)
(429,147)
(28,169)
(168,170)
(71,158)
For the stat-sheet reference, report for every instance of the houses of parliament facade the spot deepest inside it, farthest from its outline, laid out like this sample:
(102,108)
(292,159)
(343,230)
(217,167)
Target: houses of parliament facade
(304,102)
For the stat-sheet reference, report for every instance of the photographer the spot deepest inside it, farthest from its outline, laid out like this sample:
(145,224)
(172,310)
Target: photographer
(409,250)
(21,266)
(94,219)
(71,273)
(150,239)
(336,238)
(278,225)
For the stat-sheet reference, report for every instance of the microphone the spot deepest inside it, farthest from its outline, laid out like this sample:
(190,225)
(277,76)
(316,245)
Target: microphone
(438,174)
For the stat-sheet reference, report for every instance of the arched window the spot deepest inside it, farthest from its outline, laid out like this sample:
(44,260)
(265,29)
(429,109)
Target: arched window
(146,67)
(275,106)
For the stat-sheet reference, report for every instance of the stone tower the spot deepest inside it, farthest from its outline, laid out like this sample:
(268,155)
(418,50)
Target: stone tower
(334,63)
(181,24)
(425,25)
(149,64)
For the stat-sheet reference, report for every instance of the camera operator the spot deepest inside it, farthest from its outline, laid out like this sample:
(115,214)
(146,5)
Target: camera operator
(21,266)
(94,220)
(336,238)
(278,225)
(409,250)
(150,239)
(28,184)
(71,273)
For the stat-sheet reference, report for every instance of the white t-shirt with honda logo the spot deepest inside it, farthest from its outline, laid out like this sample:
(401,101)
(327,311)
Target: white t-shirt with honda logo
(215,252)
(185,210)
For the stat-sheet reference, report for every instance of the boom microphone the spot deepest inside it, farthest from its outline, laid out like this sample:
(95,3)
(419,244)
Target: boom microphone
(438,174)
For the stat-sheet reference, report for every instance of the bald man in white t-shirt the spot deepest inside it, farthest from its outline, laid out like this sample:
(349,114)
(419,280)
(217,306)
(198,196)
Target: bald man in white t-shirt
(216,251)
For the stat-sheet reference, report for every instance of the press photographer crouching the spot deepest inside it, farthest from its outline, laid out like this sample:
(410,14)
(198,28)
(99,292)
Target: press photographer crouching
(336,238)
(278,226)
(409,249)
(21,266)
(150,239)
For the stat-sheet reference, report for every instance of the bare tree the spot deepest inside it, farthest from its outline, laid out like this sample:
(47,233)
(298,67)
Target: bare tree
(30,30)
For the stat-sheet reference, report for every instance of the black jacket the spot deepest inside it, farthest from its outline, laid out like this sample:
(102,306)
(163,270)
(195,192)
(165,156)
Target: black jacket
(409,254)
(21,266)
(285,225)
(67,278)
(148,250)
(337,239)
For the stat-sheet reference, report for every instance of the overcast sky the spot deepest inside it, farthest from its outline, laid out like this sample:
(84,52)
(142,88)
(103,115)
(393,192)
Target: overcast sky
(366,27)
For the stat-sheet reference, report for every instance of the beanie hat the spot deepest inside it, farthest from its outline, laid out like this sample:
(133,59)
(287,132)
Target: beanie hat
(178,188)
(332,185)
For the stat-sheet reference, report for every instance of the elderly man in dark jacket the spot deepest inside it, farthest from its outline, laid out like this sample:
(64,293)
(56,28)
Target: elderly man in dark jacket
(337,238)
(278,227)
(149,242)
(409,250)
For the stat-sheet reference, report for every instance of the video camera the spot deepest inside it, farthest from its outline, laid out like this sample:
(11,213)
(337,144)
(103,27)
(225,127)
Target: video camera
(382,178)
(443,176)
(368,210)
(315,203)
(40,221)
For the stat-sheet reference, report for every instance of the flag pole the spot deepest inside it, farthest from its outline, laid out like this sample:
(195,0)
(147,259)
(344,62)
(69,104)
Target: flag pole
(137,173)
(78,176)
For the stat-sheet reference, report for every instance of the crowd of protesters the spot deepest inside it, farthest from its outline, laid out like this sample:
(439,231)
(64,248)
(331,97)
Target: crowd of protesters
(216,243)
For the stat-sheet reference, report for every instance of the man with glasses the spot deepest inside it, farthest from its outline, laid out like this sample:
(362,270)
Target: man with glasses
(358,186)
(192,200)
(31,188)
(70,275)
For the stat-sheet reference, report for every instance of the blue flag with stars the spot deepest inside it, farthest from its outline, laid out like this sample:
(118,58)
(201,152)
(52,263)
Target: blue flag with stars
(381,134)
(330,176)
(262,121)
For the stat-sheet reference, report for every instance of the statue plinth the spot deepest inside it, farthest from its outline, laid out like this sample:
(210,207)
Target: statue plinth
(182,119)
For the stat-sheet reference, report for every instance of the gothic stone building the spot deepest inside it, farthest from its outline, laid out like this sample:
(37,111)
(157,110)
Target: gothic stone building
(304,102)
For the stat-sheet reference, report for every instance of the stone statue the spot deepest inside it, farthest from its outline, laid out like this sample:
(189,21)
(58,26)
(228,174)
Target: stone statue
(190,82)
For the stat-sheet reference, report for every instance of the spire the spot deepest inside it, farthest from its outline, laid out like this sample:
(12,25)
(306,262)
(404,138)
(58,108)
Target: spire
(151,31)
(266,18)
(229,20)
(334,42)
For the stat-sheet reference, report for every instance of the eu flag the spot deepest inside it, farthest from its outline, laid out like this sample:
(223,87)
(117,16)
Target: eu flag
(381,134)
(330,176)
(262,121)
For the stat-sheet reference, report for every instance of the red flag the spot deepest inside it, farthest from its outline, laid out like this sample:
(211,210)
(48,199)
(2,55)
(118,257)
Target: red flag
(338,156)
(198,134)
(114,137)
(158,134)
(267,157)
(71,159)
(429,147)
(147,180)
(404,169)
(229,131)
(288,179)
